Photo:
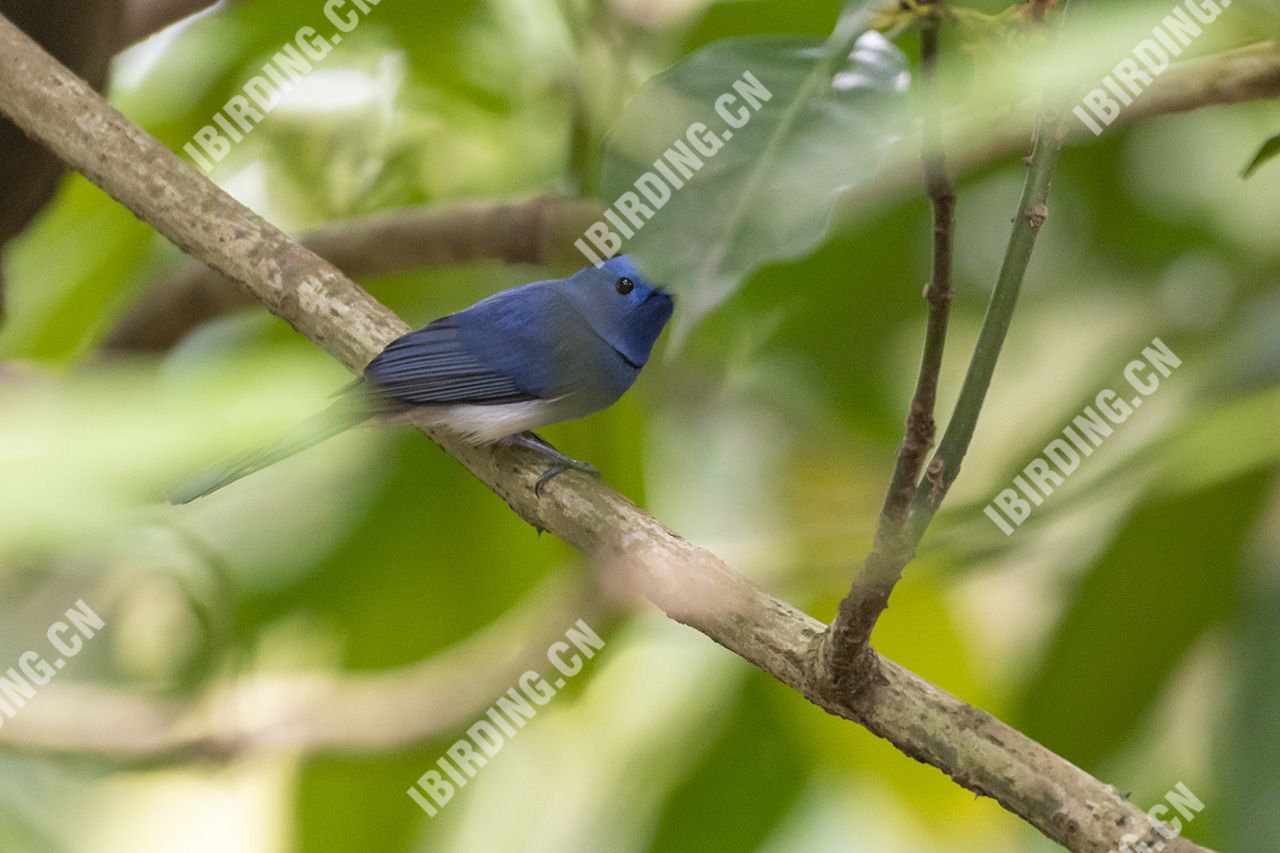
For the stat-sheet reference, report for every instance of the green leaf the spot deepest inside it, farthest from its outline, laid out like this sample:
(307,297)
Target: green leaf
(70,271)
(1269,150)
(743,786)
(1140,607)
(1249,741)
(818,115)
(412,579)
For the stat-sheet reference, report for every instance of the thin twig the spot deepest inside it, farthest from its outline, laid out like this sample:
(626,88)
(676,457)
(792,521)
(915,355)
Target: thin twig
(844,648)
(938,293)
(1033,210)
(891,548)
(687,582)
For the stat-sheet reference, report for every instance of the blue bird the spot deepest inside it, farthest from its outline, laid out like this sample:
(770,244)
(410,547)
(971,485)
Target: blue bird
(530,356)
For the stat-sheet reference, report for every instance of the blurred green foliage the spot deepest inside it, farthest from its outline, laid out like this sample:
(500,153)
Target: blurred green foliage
(1129,624)
(712,128)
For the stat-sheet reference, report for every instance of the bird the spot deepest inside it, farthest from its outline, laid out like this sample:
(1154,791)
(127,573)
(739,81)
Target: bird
(523,358)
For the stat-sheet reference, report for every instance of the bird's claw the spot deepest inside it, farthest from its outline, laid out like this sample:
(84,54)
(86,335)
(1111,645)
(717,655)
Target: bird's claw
(559,468)
(559,462)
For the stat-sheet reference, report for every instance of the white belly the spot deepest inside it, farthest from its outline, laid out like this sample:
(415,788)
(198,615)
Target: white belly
(485,424)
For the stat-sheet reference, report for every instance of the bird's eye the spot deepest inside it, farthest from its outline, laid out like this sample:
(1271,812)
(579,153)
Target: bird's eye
(625,285)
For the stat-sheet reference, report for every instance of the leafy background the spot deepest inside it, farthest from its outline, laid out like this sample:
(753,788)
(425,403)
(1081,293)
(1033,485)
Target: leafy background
(1129,625)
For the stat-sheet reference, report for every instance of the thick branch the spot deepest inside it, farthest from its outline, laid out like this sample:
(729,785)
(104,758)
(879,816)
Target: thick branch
(528,232)
(690,584)
(309,713)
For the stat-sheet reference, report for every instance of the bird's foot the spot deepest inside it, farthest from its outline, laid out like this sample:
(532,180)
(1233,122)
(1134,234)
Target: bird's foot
(558,468)
(559,461)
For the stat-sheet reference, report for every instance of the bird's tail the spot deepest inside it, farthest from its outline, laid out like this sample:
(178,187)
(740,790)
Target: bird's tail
(339,417)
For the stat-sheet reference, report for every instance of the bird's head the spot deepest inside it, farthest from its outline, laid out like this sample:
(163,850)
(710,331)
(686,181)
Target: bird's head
(622,306)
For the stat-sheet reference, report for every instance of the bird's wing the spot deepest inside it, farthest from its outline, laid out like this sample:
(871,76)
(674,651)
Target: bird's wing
(432,365)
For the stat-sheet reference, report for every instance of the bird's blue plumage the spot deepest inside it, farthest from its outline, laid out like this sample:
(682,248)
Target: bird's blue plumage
(578,341)
(433,365)
(523,358)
